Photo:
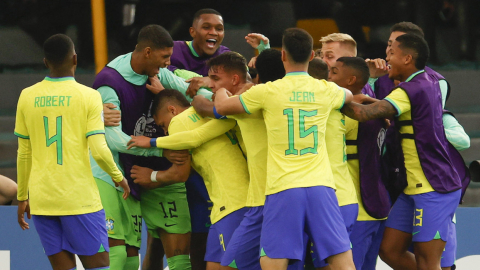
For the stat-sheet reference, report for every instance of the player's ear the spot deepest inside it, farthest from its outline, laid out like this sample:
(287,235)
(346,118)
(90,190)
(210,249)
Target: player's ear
(408,59)
(45,62)
(192,31)
(171,109)
(352,80)
(235,79)
(74,59)
(147,52)
(312,55)
(284,56)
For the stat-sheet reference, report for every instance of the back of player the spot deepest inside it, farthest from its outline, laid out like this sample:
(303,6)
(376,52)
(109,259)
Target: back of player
(54,121)
(296,109)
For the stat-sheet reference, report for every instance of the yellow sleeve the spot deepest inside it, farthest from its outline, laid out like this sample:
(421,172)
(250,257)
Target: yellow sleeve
(20,126)
(103,156)
(399,99)
(24,165)
(95,116)
(253,99)
(179,140)
(339,96)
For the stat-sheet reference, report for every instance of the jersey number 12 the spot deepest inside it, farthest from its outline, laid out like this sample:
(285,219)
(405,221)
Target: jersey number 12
(303,133)
(55,138)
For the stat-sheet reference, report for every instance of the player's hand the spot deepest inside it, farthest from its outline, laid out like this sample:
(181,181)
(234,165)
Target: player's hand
(23,207)
(111,117)
(252,62)
(155,85)
(141,176)
(178,157)
(387,123)
(124,185)
(139,141)
(195,84)
(378,67)
(254,39)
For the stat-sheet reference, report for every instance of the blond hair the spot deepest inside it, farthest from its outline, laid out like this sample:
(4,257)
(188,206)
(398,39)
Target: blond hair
(342,38)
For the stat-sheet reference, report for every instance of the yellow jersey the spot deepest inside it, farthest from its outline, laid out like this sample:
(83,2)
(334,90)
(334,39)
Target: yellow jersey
(415,176)
(221,164)
(57,115)
(296,109)
(354,167)
(336,149)
(254,135)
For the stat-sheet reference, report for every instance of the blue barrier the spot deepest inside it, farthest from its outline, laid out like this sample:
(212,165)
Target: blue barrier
(22,250)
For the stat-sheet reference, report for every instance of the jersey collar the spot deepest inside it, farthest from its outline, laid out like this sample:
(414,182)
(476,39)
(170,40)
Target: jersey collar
(414,74)
(60,79)
(190,46)
(297,73)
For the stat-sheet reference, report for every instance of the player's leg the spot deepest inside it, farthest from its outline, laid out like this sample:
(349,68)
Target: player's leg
(433,218)
(154,249)
(86,236)
(326,228)
(115,222)
(167,216)
(133,232)
(200,207)
(242,250)
(371,256)
(282,238)
(398,235)
(50,231)
(361,237)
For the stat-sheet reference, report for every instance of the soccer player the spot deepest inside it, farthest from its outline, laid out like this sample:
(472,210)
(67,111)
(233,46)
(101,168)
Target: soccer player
(58,120)
(337,45)
(219,161)
(364,144)
(123,83)
(297,166)
(8,190)
(430,197)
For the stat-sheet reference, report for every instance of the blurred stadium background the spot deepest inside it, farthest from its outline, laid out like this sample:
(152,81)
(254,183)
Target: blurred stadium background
(452,29)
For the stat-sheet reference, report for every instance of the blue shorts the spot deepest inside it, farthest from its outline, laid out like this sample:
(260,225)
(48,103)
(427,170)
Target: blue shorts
(426,216)
(291,213)
(449,255)
(78,234)
(366,238)
(244,246)
(220,234)
(349,214)
(199,203)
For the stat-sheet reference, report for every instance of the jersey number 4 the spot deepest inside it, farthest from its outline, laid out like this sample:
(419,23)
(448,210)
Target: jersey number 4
(55,138)
(303,133)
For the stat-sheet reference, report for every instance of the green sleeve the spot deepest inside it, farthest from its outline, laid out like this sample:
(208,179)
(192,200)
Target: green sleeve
(455,133)
(186,74)
(444,89)
(194,138)
(116,139)
(262,47)
(371,82)
(170,80)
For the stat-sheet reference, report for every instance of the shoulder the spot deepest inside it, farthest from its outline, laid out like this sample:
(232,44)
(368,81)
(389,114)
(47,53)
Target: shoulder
(223,49)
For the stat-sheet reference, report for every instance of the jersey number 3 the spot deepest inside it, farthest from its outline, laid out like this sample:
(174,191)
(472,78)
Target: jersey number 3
(55,138)
(303,133)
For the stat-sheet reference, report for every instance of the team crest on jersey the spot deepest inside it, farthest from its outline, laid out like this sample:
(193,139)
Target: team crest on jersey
(110,223)
(381,139)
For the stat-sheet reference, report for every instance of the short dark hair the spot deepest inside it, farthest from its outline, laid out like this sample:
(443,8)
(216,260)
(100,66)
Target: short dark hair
(418,46)
(407,28)
(204,11)
(230,61)
(168,95)
(298,43)
(155,37)
(253,72)
(57,48)
(269,65)
(318,69)
(360,67)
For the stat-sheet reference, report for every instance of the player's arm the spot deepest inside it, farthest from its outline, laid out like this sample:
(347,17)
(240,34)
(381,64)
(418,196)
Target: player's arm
(226,105)
(362,113)
(258,41)
(170,80)
(455,133)
(205,107)
(188,139)
(116,138)
(151,179)
(24,165)
(98,146)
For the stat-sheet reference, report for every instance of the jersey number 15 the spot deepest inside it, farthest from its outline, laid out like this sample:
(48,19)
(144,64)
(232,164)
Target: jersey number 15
(303,133)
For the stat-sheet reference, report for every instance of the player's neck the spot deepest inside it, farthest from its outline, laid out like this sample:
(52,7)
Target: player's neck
(407,73)
(61,73)
(236,90)
(294,67)
(136,63)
